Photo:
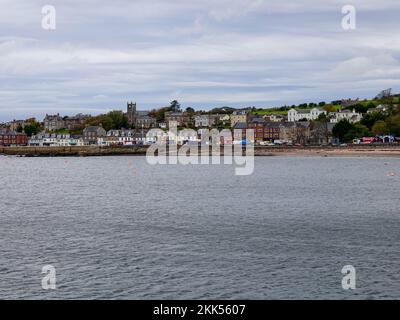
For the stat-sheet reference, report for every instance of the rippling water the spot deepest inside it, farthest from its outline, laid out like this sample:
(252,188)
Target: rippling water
(117,228)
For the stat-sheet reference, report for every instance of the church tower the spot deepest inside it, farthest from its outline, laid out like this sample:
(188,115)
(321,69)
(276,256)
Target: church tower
(131,113)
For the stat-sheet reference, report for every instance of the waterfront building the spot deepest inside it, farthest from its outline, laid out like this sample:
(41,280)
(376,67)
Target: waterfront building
(55,140)
(126,137)
(108,140)
(258,125)
(121,133)
(295,132)
(12,138)
(272,131)
(92,133)
(321,133)
(239,131)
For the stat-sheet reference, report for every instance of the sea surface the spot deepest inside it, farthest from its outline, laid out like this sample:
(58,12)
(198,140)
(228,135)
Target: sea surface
(118,228)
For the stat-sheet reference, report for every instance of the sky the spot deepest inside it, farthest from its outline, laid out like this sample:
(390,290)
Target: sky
(204,53)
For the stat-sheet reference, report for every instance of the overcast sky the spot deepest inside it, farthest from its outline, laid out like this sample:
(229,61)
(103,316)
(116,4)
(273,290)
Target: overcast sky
(205,53)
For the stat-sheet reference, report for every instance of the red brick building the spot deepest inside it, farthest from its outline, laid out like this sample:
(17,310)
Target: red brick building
(258,125)
(272,131)
(12,138)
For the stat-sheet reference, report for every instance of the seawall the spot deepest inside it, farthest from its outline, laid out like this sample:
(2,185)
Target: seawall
(351,150)
(72,151)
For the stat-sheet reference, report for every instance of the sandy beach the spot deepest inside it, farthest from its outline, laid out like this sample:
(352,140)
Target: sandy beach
(349,151)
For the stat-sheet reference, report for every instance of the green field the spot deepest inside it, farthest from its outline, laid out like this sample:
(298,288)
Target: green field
(329,107)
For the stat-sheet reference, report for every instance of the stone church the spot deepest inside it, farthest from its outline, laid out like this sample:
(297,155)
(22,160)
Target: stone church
(131,113)
(139,119)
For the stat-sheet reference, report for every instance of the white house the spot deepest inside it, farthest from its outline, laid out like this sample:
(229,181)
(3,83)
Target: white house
(274,118)
(54,140)
(351,116)
(202,121)
(299,114)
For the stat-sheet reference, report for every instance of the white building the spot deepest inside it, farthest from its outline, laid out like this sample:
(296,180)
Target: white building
(299,114)
(351,116)
(111,140)
(54,140)
(274,118)
(202,121)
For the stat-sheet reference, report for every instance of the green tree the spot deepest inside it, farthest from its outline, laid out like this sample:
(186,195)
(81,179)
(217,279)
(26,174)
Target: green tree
(358,131)
(329,108)
(31,129)
(394,125)
(362,108)
(118,119)
(190,110)
(323,118)
(102,120)
(370,119)
(175,106)
(341,129)
(380,127)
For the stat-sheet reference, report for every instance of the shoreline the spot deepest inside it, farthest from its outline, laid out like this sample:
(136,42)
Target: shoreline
(259,151)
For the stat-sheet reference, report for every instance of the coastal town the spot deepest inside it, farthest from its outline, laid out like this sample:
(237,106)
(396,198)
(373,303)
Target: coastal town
(375,121)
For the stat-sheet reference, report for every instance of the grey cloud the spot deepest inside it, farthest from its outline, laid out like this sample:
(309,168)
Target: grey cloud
(204,53)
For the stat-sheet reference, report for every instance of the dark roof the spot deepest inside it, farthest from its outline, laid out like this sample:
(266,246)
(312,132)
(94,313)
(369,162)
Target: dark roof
(257,120)
(272,124)
(93,129)
(240,125)
(287,124)
(304,124)
(11,133)
(142,113)
(240,112)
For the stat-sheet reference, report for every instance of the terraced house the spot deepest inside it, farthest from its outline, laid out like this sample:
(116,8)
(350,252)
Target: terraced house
(300,114)
(92,133)
(12,138)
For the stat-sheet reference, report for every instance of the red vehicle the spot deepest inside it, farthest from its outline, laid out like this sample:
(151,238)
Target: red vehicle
(368,140)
